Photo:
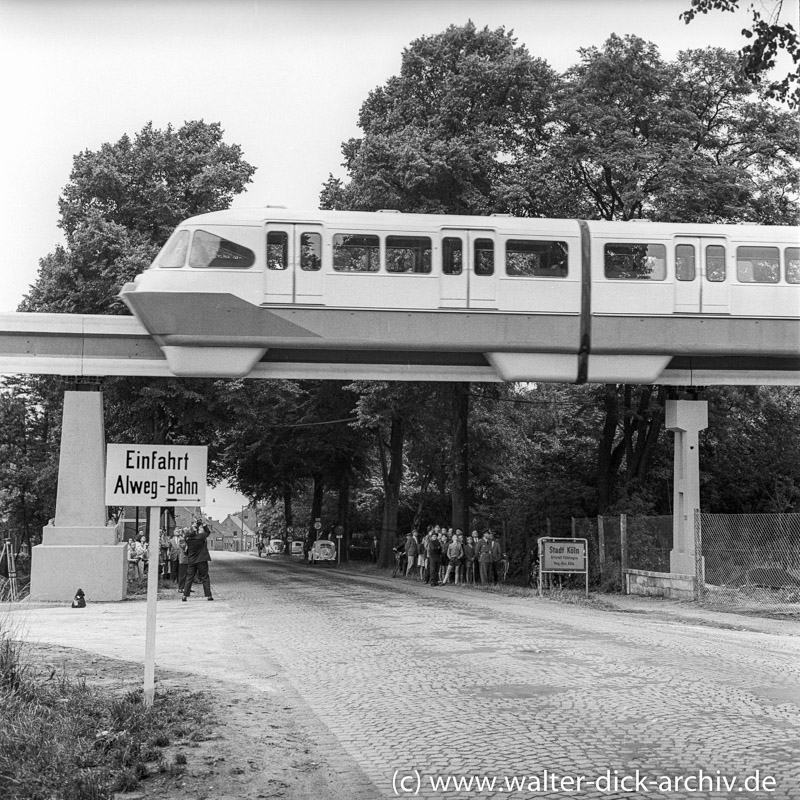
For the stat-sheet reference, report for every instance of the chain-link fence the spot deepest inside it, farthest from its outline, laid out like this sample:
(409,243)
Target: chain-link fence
(751,560)
(624,542)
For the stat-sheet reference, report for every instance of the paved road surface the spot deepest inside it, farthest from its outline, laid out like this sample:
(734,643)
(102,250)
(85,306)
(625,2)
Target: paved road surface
(418,683)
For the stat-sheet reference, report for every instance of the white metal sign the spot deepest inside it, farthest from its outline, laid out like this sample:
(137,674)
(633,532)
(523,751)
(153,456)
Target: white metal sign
(156,475)
(562,556)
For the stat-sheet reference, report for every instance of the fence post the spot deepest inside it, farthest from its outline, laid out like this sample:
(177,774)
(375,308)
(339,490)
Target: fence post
(699,577)
(623,548)
(601,546)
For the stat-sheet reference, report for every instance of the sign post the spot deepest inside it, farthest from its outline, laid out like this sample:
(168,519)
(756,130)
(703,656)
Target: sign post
(154,476)
(563,556)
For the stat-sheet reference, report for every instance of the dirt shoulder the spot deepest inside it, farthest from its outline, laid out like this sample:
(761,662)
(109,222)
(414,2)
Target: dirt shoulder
(248,746)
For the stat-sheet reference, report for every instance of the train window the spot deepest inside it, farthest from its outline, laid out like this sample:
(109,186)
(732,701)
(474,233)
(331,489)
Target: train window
(638,262)
(354,252)
(684,262)
(210,250)
(791,257)
(758,264)
(277,250)
(715,263)
(791,260)
(408,254)
(310,252)
(173,254)
(452,255)
(536,259)
(484,257)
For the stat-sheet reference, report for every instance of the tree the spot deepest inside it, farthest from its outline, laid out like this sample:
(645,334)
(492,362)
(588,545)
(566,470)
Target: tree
(768,37)
(282,434)
(444,135)
(120,206)
(636,137)
(28,463)
(117,210)
(750,452)
(148,185)
(391,412)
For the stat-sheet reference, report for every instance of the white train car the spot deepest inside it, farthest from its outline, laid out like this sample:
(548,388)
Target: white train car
(535,299)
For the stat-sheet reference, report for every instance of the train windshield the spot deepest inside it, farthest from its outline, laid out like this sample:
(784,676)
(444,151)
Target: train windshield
(211,250)
(173,253)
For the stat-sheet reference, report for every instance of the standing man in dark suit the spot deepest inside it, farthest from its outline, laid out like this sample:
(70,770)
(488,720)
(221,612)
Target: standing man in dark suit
(198,557)
(497,555)
(485,558)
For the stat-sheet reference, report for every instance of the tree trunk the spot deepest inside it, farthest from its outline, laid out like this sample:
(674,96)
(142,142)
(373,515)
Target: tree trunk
(605,475)
(343,516)
(316,507)
(288,513)
(459,457)
(641,427)
(392,467)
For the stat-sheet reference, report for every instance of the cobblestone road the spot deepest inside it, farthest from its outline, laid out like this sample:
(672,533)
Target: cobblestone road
(417,682)
(406,684)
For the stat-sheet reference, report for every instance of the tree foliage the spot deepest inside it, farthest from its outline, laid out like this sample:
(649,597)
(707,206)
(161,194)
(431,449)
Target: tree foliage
(475,124)
(120,206)
(684,141)
(28,463)
(444,135)
(768,37)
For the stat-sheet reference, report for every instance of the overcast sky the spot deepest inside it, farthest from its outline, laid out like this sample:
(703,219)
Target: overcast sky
(285,78)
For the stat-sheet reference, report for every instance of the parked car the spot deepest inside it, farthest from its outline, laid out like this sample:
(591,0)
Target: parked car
(322,550)
(276,546)
(297,548)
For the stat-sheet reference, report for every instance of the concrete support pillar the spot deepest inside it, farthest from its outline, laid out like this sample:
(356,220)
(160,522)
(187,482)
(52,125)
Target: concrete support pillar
(78,550)
(686,418)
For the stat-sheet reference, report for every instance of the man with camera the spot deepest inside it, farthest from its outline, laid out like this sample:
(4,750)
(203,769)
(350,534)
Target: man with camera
(197,556)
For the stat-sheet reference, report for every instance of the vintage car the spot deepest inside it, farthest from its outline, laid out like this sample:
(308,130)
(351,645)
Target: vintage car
(275,547)
(322,550)
(296,548)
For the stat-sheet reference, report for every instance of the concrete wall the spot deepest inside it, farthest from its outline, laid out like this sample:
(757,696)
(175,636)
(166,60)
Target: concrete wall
(659,584)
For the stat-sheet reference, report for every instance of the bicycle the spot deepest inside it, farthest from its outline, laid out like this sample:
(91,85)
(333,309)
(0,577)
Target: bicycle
(533,575)
(505,565)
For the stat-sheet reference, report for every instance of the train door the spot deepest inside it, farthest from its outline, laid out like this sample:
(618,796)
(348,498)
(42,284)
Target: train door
(454,269)
(701,281)
(483,262)
(309,274)
(279,286)
(294,263)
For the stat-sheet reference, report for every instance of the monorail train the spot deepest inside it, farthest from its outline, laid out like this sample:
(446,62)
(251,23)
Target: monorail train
(385,294)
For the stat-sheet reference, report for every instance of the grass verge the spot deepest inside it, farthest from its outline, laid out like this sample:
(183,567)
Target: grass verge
(61,738)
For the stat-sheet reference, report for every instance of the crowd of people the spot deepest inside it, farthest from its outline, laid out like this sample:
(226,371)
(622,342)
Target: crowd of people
(442,553)
(182,558)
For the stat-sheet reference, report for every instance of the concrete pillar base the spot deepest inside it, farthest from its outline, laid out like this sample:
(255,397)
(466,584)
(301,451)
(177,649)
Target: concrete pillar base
(79,551)
(59,570)
(681,563)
